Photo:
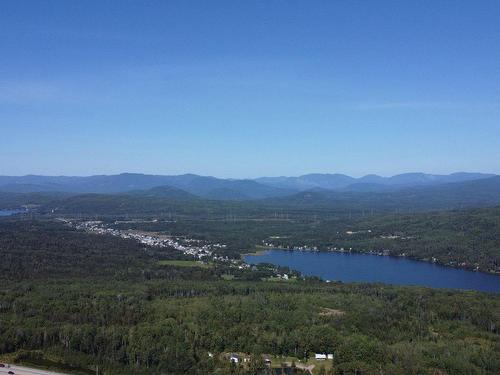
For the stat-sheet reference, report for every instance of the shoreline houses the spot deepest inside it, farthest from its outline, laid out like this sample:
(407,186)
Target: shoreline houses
(323,356)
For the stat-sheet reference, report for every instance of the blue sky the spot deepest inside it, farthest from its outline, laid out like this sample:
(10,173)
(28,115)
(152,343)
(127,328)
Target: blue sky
(249,88)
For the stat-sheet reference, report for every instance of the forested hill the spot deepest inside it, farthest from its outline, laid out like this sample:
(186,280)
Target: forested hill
(78,301)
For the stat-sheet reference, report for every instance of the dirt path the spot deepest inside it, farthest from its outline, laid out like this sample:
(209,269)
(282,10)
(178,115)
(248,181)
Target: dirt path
(301,366)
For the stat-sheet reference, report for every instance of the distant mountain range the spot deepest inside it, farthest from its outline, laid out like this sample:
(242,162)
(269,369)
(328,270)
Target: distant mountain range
(206,196)
(370,182)
(190,186)
(473,193)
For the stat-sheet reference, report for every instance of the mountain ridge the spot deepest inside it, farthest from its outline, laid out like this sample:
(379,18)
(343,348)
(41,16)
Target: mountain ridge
(341,181)
(210,187)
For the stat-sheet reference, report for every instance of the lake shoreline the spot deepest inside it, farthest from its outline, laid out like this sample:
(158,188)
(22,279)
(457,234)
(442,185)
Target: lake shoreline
(267,248)
(359,267)
(259,250)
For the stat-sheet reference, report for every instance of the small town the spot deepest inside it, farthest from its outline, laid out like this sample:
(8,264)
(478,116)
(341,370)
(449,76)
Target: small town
(195,248)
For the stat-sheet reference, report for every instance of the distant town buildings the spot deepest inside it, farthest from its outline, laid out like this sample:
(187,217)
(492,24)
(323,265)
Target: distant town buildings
(196,248)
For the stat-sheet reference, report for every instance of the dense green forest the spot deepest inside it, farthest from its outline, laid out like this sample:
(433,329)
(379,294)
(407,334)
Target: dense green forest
(77,301)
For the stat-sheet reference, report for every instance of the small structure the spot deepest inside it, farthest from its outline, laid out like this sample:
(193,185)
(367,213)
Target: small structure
(329,356)
(267,359)
(234,358)
(320,357)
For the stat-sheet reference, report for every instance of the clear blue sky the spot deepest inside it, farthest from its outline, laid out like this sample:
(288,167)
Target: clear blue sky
(249,88)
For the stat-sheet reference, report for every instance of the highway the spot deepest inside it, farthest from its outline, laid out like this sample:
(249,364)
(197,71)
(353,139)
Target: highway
(20,370)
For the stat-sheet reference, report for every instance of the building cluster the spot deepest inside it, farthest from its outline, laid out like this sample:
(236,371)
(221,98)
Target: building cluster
(245,358)
(340,249)
(396,237)
(196,248)
(350,232)
(285,247)
(381,252)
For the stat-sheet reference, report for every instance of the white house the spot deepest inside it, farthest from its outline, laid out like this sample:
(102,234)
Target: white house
(234,358)
(330,356)
(320,357)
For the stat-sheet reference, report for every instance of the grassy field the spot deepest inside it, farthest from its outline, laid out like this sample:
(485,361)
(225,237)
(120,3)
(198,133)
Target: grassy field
(279,279)
(184,263)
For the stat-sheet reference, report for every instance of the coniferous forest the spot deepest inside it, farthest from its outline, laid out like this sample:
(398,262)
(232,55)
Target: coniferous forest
(78,302)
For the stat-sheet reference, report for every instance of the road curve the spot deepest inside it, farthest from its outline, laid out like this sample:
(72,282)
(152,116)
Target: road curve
(20,370)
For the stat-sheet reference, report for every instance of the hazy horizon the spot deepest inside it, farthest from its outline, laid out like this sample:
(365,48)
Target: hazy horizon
(246,177)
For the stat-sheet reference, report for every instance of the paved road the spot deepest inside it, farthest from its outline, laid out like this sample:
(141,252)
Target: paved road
(19,370)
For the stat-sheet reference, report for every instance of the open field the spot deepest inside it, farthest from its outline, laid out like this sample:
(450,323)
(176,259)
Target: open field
(184,263)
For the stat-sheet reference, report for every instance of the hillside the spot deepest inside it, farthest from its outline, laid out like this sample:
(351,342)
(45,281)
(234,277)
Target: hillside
(165,192)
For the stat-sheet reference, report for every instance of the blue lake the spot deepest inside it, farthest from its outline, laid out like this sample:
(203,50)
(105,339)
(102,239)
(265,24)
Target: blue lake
(373,268)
